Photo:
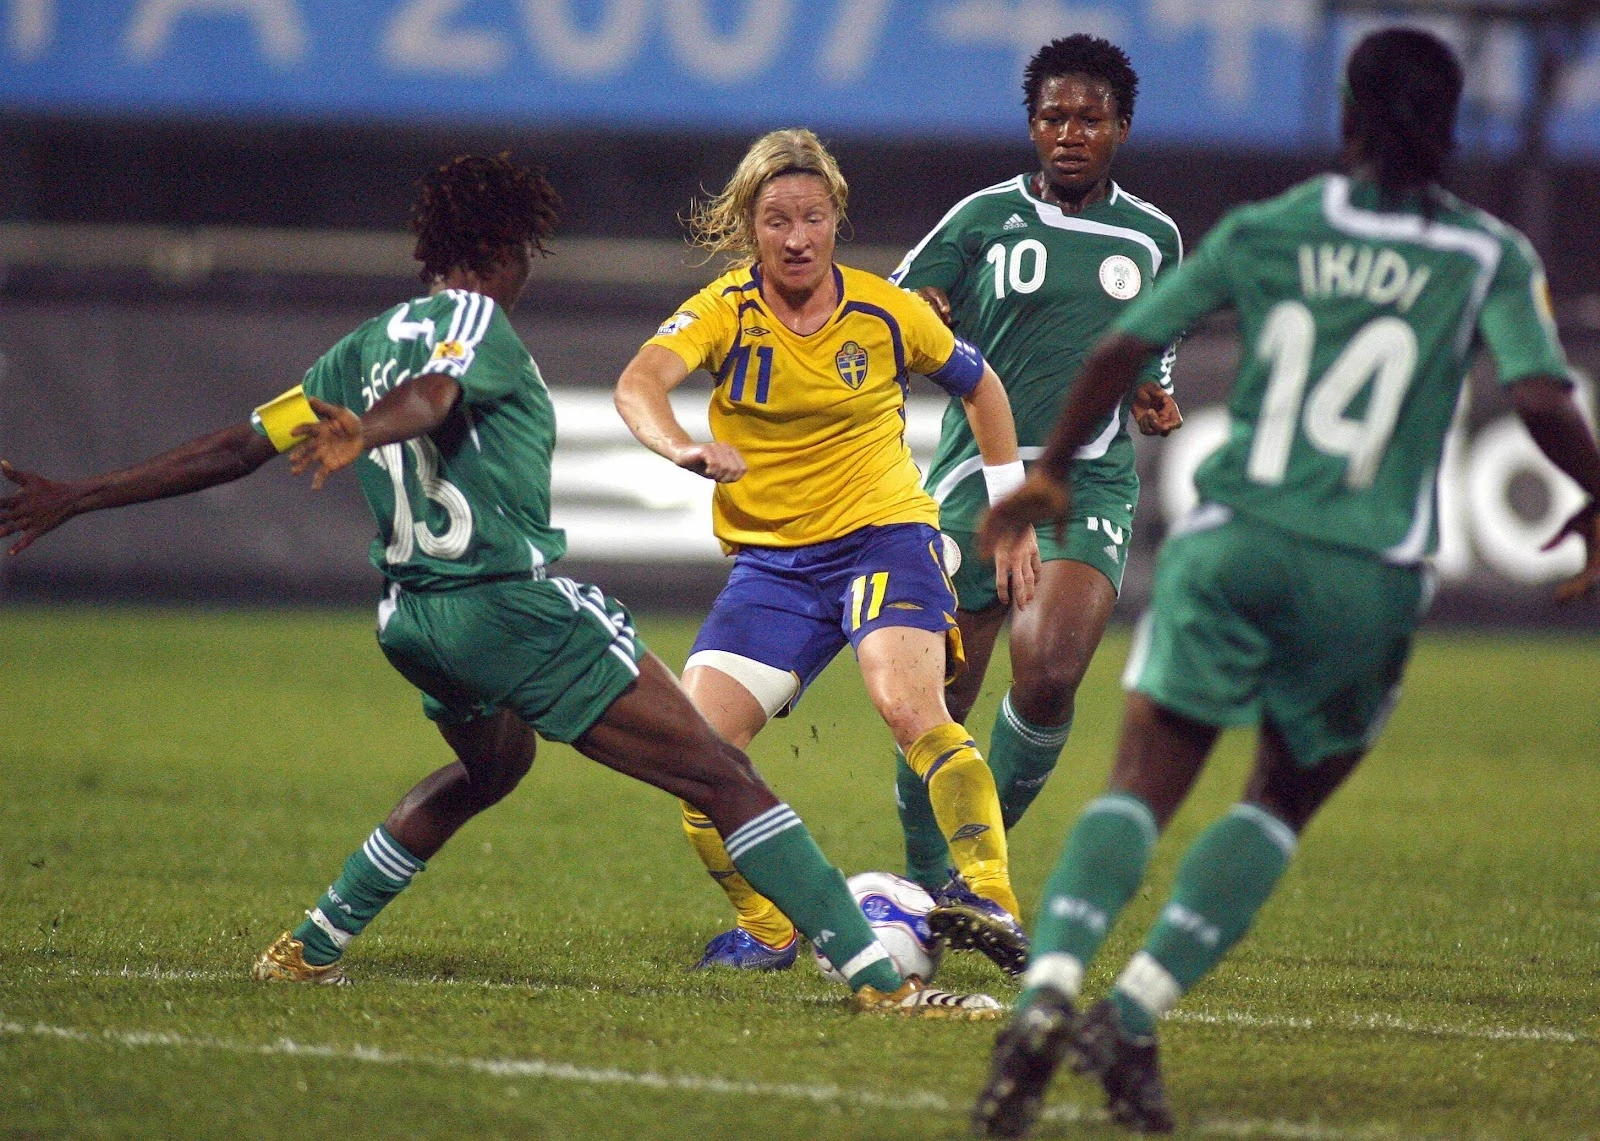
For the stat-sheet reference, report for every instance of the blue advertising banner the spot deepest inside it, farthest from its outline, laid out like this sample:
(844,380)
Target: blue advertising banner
(1252,71)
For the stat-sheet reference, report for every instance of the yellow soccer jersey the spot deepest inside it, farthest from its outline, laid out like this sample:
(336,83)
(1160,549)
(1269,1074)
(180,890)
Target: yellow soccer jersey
(820,419)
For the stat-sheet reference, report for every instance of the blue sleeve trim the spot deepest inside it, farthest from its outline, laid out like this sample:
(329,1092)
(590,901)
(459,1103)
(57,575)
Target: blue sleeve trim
(962,372)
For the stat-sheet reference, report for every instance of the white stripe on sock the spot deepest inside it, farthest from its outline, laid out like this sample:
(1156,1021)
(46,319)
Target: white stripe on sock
(1057,970)
(1274,829)
(873,952)
(779,818)
(1149,984)
(394,851)
(738,850)
(341,939)
(384,862)
(1039,736)
(1131,807)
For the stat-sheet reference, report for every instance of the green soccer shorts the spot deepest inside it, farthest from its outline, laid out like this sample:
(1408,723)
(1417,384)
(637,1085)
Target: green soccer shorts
(1099,531)
(1247,622)
(555,652)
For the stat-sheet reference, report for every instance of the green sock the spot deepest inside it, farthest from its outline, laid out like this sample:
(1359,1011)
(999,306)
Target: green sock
(374,874)
(927,854)
(1104,861)
(1226,876)
(776,854)
(1022,756)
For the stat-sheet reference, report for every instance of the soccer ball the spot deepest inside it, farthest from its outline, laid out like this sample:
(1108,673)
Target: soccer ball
(898,910)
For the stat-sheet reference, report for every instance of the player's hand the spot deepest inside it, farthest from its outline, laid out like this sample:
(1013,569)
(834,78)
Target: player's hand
(1039,500)
(39,506)
(1586,525)
(940,301)
(716,461)
(1017,568)
(1155,411)
(333,442)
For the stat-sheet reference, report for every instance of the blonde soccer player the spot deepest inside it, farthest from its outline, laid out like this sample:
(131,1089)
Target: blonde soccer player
(818,499)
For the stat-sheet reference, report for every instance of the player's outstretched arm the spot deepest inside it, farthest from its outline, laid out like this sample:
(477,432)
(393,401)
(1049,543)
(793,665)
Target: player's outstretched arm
(641,400)
(40,505)
(1552,418)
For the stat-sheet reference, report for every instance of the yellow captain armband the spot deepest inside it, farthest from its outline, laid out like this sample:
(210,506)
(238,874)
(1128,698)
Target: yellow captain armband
(282,414)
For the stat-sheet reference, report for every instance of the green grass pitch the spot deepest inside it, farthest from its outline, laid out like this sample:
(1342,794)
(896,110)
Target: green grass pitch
(176,786)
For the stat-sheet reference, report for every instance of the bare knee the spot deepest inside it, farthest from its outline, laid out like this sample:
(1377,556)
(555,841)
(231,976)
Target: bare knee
(491,780)
(1044,693)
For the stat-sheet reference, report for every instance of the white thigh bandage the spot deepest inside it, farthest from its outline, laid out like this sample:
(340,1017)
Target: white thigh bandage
(772,687)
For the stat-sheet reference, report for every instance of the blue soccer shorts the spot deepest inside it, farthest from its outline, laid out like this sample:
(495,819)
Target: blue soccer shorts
(794,608)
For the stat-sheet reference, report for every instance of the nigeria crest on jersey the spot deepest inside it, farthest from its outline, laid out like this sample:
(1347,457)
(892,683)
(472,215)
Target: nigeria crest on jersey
(851,361)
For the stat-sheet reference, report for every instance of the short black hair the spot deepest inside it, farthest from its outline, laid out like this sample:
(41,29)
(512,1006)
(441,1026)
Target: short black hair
(1402,90)
(1082,54)
(473,207)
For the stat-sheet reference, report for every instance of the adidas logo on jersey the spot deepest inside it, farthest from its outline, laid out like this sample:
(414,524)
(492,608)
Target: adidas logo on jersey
(1015,222)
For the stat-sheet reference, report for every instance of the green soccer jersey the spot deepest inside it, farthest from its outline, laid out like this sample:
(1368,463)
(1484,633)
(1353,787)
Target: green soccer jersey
(1033,288)
(1358,327)
(471,500)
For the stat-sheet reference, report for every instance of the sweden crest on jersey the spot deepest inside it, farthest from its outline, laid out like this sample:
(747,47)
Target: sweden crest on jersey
(851,361)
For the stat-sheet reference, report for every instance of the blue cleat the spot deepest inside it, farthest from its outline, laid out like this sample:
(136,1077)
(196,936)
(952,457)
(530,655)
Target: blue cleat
(968,922)
(743,951)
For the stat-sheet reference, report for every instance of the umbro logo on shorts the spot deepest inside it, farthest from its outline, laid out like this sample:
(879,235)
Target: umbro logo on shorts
(1015,222)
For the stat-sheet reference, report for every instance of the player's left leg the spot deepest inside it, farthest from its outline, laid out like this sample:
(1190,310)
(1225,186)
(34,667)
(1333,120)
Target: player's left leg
(899,615)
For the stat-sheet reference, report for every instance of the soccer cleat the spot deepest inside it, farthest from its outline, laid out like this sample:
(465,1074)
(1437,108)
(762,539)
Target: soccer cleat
(915,999)
(743,951)
(285,961)
(1136,1097)
(1027,1054)
(968,922)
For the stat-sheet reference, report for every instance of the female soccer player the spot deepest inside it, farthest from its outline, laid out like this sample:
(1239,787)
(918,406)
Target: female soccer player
(817,493)
(1288,599)
(1032,271)
(453,453)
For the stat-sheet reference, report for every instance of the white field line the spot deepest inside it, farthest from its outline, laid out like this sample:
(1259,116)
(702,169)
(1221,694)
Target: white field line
(1356,1022)
(1383,1022)
(917,1101)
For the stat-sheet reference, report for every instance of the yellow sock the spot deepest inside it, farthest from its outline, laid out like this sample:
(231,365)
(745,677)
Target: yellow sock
(757,914)
(967,807)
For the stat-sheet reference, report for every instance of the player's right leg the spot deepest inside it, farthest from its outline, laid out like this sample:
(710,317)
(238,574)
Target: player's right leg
(758,648)
(654,733)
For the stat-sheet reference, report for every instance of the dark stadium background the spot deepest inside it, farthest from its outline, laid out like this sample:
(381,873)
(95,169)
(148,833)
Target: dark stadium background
(163,269)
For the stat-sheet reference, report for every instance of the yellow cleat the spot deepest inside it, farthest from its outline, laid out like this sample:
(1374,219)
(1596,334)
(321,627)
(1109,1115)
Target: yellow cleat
(285,962)
(915,999)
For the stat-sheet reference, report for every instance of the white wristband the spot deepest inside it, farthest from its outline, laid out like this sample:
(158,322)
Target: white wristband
(1003,479)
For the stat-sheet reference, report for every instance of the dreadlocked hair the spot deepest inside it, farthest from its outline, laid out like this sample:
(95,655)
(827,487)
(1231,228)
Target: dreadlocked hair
(473,207)
(1403,87)
(1082,54)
